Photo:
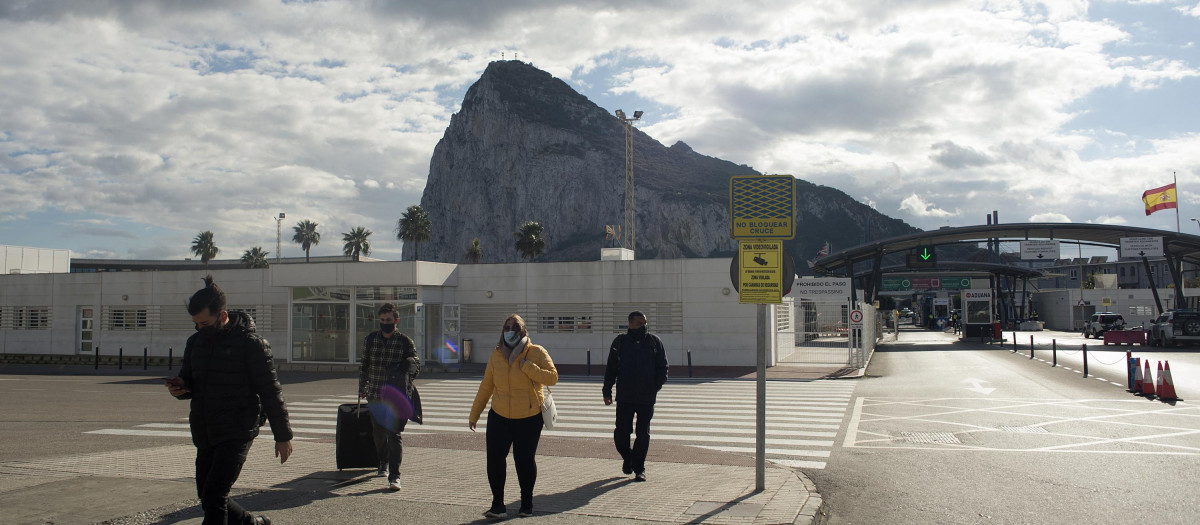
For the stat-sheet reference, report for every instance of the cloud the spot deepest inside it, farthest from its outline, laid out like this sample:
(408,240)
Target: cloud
(218,115)
(1049,217)
(915,205)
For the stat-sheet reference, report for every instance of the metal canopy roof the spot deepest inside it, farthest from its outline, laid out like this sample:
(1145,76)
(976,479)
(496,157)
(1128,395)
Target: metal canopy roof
(1179,245)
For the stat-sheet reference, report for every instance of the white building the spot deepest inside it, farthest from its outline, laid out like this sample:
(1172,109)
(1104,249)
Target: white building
(320,312)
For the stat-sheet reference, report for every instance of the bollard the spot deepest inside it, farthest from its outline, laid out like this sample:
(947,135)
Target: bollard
(589,361)
(1085,361)
(1031,347)
(689,362)
(1128,370)
(170,357)
(1054,350)
(121,358)
(145,358)
(97,358)
(1014,342)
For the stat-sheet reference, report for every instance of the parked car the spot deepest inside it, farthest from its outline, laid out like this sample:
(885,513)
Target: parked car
(1103,322)
(1173,327)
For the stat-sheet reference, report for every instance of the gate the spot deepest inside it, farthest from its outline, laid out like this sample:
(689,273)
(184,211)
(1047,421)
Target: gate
(822,333)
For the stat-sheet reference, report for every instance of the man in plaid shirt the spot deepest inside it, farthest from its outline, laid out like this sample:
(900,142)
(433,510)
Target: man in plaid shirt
(387,350)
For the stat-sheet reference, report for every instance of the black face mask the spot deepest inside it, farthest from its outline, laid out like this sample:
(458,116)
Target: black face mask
(387,328)
(207,331)
(636,332)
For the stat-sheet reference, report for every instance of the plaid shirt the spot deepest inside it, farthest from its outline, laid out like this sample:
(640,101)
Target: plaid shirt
(381,354)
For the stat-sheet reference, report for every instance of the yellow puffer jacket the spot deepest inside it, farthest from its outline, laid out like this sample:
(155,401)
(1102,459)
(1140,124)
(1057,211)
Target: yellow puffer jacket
(515,389)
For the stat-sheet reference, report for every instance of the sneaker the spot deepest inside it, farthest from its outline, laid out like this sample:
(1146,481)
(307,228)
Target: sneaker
(496,513)
(626,468)
(394,484)
(526,511)
(382,470)
(640,476)
(262,520)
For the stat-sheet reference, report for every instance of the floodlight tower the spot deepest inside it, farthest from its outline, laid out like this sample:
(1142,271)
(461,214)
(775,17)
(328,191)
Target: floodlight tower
(279,236)
(630,239)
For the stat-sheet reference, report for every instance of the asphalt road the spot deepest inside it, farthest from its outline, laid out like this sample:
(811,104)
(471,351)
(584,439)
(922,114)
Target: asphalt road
(956,433)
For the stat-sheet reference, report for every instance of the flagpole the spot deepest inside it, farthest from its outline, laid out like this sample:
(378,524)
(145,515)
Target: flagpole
(1175,182)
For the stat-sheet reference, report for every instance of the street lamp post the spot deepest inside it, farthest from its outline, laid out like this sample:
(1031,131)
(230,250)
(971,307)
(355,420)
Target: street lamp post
(630,238)
(1196,220)
(279,236)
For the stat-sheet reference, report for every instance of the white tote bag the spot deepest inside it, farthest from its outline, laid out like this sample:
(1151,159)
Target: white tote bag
(549,412)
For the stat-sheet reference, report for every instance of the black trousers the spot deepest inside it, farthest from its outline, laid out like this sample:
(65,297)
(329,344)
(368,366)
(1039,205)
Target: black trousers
(625,412)
(389,447)
(522,435)
(217,468)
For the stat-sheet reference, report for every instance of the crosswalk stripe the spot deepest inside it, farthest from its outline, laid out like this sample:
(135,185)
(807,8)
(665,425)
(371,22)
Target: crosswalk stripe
(803,418)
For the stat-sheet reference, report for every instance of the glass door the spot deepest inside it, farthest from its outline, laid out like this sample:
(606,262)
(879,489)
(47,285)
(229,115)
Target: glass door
(86,322)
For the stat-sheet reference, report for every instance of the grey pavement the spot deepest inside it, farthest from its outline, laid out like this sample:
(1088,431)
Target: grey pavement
(441,484)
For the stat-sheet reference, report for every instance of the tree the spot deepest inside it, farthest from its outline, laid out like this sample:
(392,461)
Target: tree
(204,247)
(414,228)
(255,257)
(306,236)
(530,240)
(357,242)
(474,252)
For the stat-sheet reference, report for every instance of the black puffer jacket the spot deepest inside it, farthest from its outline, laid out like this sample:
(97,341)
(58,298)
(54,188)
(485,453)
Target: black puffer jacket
(637,364)
(232,383)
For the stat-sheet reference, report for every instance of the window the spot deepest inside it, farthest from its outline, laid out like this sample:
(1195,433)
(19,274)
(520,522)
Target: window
(127,319)
(1074,273)
(565,323)
(32,318)
(1141,310)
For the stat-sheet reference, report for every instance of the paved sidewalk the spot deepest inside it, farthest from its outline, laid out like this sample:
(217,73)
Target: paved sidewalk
(111,485)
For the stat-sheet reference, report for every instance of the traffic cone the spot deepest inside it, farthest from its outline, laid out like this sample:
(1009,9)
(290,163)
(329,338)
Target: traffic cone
(1148,382)
(1137,377)
(1166,390)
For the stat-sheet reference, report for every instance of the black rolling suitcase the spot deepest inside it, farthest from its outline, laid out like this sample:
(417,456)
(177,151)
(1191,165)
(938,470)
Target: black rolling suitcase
(353,444)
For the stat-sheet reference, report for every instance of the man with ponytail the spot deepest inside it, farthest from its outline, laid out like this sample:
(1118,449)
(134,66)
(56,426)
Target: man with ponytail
(228,373)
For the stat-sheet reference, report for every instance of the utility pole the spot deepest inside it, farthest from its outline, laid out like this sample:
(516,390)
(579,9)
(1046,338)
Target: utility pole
(279,236)
(630,239)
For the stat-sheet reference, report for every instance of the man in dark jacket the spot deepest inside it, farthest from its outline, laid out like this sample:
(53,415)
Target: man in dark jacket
(389,358)
(229,376)
(637,364)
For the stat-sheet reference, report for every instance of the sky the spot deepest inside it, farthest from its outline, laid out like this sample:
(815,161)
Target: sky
(127,127)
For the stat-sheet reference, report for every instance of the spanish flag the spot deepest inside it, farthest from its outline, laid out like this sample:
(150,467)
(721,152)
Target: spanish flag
(1159,198)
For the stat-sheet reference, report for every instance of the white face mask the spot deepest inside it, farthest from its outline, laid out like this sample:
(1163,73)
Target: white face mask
(511,337)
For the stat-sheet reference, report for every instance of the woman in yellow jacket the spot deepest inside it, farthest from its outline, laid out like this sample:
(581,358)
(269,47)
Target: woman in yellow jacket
(513,381)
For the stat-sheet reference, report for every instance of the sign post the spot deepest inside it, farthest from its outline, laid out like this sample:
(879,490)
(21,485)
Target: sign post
(761,216)
(1039,250)
(1141,247)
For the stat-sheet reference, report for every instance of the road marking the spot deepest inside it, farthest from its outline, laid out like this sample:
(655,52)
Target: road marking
(976,386)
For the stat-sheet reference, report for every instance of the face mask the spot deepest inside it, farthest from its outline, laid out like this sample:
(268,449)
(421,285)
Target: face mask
(511,337)
(387,328)
(207,331)
(636,331)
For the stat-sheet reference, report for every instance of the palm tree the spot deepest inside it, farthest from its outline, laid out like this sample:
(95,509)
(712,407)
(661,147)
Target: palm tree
(255,257)
(357,242)
(414,227)
(306,236)
(474,252)
(530,240)
(204,247)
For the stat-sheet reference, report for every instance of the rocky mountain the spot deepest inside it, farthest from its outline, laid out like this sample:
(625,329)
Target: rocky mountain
(525,146)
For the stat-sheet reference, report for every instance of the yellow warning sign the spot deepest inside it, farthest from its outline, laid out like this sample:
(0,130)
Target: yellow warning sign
(760,271)
(762,207)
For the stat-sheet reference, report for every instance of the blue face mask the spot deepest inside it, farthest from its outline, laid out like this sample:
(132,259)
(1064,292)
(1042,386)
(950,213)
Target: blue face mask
(511,337)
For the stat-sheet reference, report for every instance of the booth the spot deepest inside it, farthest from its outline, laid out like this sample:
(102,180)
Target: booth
(979,318)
